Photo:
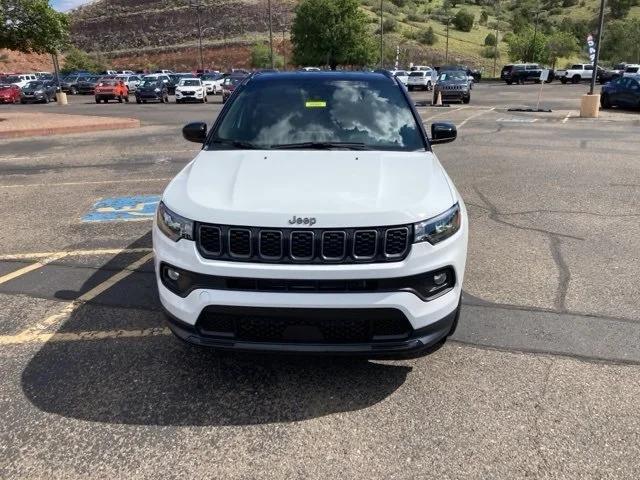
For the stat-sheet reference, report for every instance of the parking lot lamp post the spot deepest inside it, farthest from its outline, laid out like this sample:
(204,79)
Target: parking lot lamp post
(598,42)
(197,5)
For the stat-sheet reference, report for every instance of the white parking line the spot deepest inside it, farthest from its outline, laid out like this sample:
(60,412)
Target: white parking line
(474,116)
(566,119)
(446,110)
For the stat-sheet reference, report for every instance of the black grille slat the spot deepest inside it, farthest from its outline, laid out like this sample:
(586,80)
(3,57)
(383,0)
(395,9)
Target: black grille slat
(240,242)
(334,245)
(271,244)
(302,245)
(396,241)
(211,239)
(365,243)
(308,246)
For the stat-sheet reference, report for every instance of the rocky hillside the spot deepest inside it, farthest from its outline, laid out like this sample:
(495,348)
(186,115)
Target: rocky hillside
(140,33)
(122,26)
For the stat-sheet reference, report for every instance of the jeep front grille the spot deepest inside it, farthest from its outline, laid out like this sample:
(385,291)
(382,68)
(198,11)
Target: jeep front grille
(273,245)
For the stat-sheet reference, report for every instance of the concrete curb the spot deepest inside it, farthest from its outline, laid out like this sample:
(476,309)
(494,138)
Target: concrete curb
(117,124)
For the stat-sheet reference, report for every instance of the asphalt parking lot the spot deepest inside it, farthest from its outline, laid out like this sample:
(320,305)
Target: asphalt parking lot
(541,380)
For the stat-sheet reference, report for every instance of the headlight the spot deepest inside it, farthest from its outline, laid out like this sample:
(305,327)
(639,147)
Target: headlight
(438,228)
(173,225)
(156,90)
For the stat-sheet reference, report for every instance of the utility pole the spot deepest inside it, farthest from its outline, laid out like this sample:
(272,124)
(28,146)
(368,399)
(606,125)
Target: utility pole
(495,49)
(270,34)
(197,5)
(381,37)
(535,37)
(446,51)
(599,41)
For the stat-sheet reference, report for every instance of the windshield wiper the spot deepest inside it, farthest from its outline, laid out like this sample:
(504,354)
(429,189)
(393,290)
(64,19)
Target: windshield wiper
(235,143)
(321,145)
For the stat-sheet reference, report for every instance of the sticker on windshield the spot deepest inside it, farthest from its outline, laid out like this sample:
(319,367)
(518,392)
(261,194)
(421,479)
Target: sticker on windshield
(315,104)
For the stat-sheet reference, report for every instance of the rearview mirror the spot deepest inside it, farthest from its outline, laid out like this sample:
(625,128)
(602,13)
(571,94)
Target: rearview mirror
(442,132)
(195,132)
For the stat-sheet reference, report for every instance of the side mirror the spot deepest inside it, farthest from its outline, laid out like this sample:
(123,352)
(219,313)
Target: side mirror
(442,132)
(195,132)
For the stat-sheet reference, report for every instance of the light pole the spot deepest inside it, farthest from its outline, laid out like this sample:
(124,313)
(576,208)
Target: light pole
(381,37)
(598,42)
(270,34)
(197,5)
(446,51)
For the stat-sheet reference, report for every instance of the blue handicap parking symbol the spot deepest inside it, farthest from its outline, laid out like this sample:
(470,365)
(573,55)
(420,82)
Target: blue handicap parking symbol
(138,207)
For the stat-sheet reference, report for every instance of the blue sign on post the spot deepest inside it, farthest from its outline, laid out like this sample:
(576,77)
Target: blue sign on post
(138,207)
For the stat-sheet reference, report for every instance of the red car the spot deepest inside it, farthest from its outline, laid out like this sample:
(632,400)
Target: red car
(9,93)
(111,90)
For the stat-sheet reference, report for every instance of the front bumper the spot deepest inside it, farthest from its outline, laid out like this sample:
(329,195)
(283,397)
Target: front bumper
(149,95)
(198,96)
(33,98)
(417,342)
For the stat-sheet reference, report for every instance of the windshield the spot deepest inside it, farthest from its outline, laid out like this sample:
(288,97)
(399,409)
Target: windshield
(285,113)
(455,75)
(417,74)
(190,83)
(632,70)
(108,83)
(32,85)
(4,87)
(216,76)
(149,82)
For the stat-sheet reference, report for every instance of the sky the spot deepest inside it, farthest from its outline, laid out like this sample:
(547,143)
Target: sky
(64,5)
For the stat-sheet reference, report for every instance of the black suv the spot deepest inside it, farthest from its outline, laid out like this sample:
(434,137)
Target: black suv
(523,72)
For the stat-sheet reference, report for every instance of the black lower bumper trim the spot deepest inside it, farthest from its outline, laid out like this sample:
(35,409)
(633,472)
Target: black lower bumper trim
(419,342)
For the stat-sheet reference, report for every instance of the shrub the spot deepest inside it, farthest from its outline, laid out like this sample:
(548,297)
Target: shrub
(463,20)
(490,40)
(428,36)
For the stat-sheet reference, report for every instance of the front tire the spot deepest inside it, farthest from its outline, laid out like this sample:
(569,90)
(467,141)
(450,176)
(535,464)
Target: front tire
(605,102)
(429,86)
(466,100)
(575,79)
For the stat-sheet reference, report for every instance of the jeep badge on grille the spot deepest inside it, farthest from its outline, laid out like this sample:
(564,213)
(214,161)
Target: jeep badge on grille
(302,220)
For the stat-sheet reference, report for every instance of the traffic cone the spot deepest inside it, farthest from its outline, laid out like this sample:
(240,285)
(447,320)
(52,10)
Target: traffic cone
(438,102)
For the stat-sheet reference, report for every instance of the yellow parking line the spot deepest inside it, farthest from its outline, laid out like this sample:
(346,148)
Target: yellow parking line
(54,319)
(41,337)
(29,268)
(97,182)
(73,253)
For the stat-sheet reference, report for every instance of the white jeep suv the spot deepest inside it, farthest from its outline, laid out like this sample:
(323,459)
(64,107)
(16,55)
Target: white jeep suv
(316,219)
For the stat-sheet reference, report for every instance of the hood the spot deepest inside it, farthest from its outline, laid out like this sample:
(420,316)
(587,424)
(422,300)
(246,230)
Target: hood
(339,188)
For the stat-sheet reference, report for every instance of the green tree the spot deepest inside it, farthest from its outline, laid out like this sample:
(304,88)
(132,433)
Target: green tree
(32,26)
(76,59)
(621,41)
(463,20)
(528,46)
(261,57)
(490,40)
(331,32)
(561,44)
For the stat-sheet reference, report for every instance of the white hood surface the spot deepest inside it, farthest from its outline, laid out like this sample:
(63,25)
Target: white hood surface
(338,188)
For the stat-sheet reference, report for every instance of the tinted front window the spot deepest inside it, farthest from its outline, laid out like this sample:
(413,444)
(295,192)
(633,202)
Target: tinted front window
(32,85)
(416,74)
(190,83)
(150,83)
(273,112)
(632,70)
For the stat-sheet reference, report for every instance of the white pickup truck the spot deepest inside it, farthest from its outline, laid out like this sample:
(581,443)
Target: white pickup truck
(575,74)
